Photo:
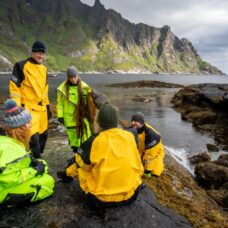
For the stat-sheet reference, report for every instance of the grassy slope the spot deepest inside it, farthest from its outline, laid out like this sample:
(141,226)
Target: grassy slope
(72,41)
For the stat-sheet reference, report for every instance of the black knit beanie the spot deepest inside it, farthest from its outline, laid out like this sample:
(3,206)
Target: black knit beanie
(138,117)
(38,47)
(108,117)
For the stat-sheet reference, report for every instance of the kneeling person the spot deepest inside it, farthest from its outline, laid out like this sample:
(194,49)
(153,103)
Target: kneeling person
(150,146)
(22,178)
(108,164)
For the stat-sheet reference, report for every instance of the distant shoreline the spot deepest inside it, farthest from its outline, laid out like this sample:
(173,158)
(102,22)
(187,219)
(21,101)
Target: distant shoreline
(53,74)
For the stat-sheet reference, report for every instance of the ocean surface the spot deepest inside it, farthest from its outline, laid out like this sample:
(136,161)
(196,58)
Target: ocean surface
(179,137)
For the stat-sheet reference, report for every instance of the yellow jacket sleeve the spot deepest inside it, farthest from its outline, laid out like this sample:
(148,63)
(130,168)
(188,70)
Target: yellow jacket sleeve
(15,93)
(15,82)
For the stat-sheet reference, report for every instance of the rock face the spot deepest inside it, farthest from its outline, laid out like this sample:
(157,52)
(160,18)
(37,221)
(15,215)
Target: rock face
(93,38)
(206,106)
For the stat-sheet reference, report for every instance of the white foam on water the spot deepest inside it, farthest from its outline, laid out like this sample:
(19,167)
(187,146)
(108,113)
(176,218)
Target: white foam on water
(181,156)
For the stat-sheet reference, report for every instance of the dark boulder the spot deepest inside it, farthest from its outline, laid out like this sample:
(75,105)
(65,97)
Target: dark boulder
(212,147)
(206,106)
(222,160)
(145,212)
(203,157)
(210,175)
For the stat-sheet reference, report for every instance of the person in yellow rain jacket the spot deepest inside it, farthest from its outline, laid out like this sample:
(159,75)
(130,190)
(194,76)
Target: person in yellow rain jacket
(150,146)
(108,164)
(23,179)
(75,108)
(28,87)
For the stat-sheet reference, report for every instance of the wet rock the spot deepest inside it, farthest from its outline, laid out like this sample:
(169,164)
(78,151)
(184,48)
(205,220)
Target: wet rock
(210,175)
(143,212)
(220,196)
(206,106)
(142,98)
(203,157)
(212,147)
(222,160)
(143,83)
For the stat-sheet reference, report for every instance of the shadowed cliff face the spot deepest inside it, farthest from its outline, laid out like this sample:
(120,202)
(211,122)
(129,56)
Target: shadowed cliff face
(92,38)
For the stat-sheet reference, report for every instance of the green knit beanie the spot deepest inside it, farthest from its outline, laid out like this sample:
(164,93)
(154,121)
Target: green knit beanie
(108,117)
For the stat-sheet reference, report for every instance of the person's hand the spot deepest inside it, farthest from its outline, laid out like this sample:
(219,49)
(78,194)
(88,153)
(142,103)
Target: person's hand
(49,114)
(62,175)
(61,120)
(147,173)
(38,166)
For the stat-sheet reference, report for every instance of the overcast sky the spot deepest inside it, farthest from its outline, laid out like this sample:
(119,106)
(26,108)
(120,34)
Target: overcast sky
(203,22)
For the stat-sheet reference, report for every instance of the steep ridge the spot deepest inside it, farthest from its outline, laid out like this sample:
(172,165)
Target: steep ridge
(93,39)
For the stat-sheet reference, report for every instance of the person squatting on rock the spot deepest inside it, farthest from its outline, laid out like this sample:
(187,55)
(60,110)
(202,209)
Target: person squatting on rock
(29,88)
(75,108)
(108,164)
(23,179)
(150,146)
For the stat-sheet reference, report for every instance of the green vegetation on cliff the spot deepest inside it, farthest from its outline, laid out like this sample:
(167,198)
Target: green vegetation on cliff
(92,38)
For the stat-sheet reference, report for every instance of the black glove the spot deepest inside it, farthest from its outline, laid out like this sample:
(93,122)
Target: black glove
(62,175)
(61,120)
(37,165)
(49,114)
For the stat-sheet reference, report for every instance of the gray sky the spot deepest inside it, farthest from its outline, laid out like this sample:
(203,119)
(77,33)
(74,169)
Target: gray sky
(203,22)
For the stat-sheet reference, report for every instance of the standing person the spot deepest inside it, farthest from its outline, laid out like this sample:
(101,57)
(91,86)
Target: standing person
(28,87)
(108,164)
(150,147)
(22,178)
(75,108)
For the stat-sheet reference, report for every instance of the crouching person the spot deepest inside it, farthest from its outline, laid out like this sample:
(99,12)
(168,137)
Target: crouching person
(108,165)
(22,179)
(150,146)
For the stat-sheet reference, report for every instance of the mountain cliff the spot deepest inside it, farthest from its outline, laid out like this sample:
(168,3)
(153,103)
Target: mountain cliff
(93,39)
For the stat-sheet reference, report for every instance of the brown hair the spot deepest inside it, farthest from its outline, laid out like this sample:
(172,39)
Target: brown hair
(21,134)
(80,111)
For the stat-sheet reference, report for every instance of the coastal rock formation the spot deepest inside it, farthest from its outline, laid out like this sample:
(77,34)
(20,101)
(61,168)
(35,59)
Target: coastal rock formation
(203,157)
(146,83)
(93,38)
(206,106)
(213,176)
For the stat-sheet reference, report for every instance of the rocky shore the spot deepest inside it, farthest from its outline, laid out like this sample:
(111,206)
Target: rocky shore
(174,199)
(206,106)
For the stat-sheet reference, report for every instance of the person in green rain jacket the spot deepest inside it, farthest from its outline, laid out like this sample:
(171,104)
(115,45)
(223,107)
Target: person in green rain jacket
(75,108)
(23,179)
